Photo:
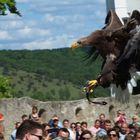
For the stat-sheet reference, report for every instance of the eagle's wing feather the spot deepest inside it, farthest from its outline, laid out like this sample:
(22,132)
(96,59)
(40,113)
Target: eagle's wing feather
(112,21)
(122,44)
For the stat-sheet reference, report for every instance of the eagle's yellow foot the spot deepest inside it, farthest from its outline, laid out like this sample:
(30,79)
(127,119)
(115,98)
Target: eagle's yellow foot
(90,85)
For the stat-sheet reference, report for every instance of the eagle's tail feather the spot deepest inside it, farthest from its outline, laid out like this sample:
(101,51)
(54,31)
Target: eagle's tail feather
(120,95)
(123,95)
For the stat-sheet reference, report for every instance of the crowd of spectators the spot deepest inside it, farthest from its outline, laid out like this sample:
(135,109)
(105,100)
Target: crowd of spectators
(32,127)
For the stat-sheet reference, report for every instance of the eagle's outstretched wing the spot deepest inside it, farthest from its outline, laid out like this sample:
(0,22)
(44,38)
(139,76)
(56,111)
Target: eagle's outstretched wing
(112,21)
(129,60)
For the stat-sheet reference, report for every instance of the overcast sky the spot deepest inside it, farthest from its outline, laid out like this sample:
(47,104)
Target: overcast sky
(50,24)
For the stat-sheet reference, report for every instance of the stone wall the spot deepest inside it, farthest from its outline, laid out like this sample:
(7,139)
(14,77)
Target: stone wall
(79,110)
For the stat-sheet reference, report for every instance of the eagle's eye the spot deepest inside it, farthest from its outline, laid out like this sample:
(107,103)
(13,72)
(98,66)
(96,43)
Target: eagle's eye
(79,42)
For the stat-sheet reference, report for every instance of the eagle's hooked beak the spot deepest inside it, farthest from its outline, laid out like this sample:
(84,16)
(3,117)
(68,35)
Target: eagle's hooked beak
(76,45)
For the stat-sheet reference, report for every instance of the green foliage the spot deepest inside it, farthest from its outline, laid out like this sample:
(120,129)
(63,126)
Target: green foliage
(58,74)
(8,5)
(5,88)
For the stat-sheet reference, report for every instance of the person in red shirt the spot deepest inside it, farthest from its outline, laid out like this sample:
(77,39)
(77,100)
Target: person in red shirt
(1,123)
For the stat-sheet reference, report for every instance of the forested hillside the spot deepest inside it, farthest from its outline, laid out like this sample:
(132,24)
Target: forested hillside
(58,74)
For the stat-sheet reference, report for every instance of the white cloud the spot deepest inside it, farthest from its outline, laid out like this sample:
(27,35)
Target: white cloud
(16,24)
(48,43)
(49,24)
(4,35)
(9,25)
(27,31)
(102,1)
(56,19)
(49,18)
(100,14)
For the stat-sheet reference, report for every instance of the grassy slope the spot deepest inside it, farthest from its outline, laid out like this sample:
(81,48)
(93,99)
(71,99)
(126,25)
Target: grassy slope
(49,74)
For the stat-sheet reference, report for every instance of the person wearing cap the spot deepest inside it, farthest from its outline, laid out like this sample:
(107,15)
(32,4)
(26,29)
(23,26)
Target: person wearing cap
(55,122)
(55,125)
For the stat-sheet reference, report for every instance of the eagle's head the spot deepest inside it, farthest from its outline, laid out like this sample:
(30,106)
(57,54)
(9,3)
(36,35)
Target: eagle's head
(96,43)
(90,41)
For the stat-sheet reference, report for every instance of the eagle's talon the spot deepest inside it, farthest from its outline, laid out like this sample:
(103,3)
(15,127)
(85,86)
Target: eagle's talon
(90,86)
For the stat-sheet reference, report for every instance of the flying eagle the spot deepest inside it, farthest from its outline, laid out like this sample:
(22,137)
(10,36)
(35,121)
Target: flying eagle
(119,46)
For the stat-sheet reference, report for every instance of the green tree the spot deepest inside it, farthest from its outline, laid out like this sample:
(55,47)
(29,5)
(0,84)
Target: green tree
(5,5)
(5,88)
(8,5)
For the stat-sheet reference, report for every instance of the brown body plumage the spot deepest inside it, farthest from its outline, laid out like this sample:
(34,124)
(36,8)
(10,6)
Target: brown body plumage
(111,43)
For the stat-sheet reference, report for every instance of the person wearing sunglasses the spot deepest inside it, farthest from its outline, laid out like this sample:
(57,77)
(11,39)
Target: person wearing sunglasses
(113,134)
(29,130)
(86,135)
(73,129)
(63,134)
(73,126)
